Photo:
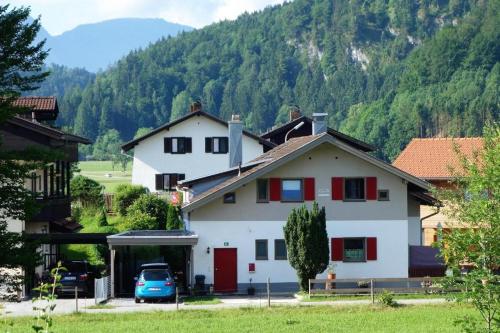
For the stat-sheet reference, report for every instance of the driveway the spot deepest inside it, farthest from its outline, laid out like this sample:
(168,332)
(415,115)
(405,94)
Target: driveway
(118,305)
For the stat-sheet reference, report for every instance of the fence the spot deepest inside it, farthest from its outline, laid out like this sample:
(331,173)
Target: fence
(374,286)
(102,289)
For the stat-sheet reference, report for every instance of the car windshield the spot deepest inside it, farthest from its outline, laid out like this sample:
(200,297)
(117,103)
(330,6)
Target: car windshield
(155,275)
(74,266)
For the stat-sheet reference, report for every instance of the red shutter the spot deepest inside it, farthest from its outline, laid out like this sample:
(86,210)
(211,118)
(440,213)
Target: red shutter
(309,190)
(337,249)
(371,188)
(371,248)
(337,188)
(274,189)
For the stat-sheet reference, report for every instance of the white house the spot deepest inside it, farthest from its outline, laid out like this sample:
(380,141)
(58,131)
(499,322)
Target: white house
(195,145)
(372,211)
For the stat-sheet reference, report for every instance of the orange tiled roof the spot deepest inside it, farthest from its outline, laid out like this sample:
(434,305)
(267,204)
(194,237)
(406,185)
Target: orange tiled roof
(37,103)
(430,158)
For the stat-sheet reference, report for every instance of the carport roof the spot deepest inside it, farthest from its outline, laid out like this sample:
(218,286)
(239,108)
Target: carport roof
(153,237)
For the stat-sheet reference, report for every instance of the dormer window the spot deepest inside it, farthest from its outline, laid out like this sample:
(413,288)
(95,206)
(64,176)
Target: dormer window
(177,145)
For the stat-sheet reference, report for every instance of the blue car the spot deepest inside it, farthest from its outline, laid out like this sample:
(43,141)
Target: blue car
(154,284)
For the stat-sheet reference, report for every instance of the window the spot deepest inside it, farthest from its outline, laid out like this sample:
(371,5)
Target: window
(280,249)
(217,145)
(291,190)
(354,249)
(230,197)
(383,195)
(168,181)
(262,190)
(354,189)
(261,249)
(177,145)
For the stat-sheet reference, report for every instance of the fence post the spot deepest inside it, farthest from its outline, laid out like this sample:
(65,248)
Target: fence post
(268,292)
(95,291)
(371,291)
(76,299)
(309,288)
(177,298)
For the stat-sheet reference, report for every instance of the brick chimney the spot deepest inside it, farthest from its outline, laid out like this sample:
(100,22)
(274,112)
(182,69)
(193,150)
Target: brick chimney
(196,106)
(319,123)
(295,113)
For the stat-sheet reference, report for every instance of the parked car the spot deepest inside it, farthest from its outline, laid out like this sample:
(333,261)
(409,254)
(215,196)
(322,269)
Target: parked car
(155,284)
(79,274)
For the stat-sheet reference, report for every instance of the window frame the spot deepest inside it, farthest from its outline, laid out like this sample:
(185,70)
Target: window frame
(184,140)
(171,188)
(364,250)
(383,190)
(267,190)
(301,180)
(276,256)
(345,189)
(219,140)
(228,195)
(262,241)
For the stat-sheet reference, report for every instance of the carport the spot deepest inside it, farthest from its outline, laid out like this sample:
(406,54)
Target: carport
(126,246)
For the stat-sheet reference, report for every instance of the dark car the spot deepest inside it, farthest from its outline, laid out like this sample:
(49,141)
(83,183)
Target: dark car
(79,274)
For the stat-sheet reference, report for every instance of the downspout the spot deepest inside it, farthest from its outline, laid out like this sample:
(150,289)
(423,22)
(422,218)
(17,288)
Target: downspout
(426,217)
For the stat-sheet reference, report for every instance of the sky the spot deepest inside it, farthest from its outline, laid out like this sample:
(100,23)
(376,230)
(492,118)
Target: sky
(59,16)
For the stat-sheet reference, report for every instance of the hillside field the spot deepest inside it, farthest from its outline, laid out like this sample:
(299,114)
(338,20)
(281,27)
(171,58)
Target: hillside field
(102,172)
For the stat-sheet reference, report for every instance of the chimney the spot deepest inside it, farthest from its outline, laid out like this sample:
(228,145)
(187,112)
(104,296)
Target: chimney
(319,123)
(295,113)
(235,141)
(195,106)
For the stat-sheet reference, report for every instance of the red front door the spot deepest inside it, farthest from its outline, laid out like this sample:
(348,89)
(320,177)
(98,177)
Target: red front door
(225,271)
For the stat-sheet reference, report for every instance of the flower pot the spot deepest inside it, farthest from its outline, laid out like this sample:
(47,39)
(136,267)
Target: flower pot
(331,276)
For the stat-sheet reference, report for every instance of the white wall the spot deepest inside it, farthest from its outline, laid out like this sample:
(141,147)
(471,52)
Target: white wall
(149,158)
(392,248)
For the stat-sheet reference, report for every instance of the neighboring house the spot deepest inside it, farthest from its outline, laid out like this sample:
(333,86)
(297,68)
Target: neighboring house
(195,145)
(49,185)
(372,211)
(431,160)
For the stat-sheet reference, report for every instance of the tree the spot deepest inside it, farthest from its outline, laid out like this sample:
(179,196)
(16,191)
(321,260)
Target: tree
(174,219)
(86,191)
(21,61)
(307,242)
(152,206)
(142,131)
(180,105)
(473,201)
(107,145)
(125,196)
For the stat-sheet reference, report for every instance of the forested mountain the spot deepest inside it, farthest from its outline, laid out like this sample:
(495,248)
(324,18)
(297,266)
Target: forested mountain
(97,45)
(384,70)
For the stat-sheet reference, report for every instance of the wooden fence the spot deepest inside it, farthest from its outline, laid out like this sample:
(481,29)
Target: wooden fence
(321,287)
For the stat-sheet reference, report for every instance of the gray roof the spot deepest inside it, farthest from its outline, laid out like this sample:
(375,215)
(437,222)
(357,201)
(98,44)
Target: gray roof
(153,237)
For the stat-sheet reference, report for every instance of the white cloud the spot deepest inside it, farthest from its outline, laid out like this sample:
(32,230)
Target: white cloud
(62,15)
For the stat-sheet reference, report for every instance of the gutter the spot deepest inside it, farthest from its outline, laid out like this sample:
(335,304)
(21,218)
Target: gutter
(425,218)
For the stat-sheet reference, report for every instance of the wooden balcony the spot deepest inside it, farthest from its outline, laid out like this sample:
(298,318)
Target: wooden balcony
(52,209)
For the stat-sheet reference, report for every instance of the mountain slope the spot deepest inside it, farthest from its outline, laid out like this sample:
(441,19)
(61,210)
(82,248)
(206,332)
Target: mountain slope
(98,45)
(385,71)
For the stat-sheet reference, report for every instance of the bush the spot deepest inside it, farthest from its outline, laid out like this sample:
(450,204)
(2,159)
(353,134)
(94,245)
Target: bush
(86,191)
(125,195)
(174,219)
(137,220)
(386,298)
(152,206)
(102,221)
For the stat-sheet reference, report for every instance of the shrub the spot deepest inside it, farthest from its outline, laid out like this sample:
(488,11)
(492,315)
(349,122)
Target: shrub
(137,220)
(174,219)
(386,298)
(125,195)
(102,221)
(152,206)
(86,191)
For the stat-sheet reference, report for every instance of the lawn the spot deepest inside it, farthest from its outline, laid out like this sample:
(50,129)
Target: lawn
(102,172)
(436,318)
(199,300)
(327,298)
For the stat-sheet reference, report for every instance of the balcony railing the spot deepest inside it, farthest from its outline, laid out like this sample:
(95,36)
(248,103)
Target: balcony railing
(52,208)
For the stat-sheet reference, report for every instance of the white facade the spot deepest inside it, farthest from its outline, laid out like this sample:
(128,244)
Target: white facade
(150,159)
(392,249)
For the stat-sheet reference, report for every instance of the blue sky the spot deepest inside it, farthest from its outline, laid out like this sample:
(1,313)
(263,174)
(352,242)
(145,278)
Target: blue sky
(62,15)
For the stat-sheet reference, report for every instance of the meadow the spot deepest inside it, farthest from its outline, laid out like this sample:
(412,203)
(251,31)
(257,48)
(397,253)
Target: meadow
(103,172)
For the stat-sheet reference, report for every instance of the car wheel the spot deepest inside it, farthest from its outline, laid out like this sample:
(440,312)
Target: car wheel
(137,300)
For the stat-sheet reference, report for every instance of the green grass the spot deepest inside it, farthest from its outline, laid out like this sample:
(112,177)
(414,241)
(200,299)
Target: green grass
(200,300)
(277,319)
(333,298)
(97,171)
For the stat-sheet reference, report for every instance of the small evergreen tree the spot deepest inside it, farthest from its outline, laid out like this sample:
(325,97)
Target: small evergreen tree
(307,242)
(102,221)
(174,219)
